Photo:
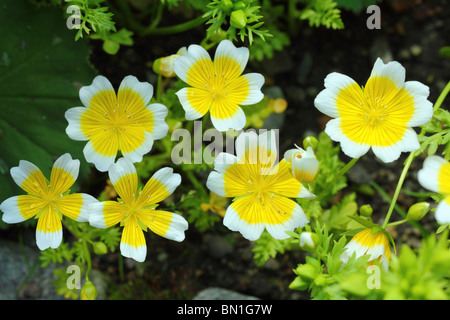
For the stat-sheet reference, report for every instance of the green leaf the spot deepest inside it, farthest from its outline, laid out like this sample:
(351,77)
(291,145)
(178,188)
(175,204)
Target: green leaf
(38,84)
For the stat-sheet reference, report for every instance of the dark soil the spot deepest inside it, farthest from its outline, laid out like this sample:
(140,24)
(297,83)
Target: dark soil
(412,32)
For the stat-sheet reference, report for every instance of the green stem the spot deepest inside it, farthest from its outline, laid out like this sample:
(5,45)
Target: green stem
(408,162)
(396,223)
(397,208)
(441,97)
(178,28)
(345,169)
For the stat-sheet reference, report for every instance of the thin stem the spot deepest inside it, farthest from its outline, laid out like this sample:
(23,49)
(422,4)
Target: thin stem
(408,162)
(346,168)
(397,208)
(396,223)
(441,97)
(178,28)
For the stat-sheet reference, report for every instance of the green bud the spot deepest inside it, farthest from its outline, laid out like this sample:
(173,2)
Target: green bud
(307,271)
(239,5)
(417,211)
(321,280)
(88,292)
(365,210)
(157,66)
(99,248)
(218,35)
(299,284)
(310,142)
(238,19)
(226,5)
(111,47)
(309,241)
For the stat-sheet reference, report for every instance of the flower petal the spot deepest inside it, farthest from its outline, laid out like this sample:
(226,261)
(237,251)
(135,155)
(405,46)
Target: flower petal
(341,92)
(393,70)
(20,208)
(160,127)
(230,61)
(281,209)
(408,143)
(166,224)
(64,173)
(75,206)
(29,178)
(105,214)
(225,116)
(135,143)
(244,216)
(350,148)
(161,185)
(132,244)
(102,152)
(134,94)
(195,102)
(73,130)
(99,84)
(442,213)
(283,183)
(195,67)
(48,229)
(124,178)
(435,174)
(423,109)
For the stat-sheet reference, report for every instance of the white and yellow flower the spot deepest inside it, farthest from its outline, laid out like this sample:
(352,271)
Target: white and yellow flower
(304,163)
(111,123)
(379,116)
(261,188)
(435,176)
(46,200)
(218,87)
(136,209)
(369,242)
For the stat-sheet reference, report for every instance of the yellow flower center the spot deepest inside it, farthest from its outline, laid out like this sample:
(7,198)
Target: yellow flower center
(376,112)
(216,86)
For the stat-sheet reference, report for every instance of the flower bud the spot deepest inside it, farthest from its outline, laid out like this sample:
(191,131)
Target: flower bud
(88,292)
(417,211)
(226,5)
(366,210)
(164,65)
(99,248)
(239,5)
(309,241)
(307,271)
(310,141)
(304,163)
(299,284)
(238,19)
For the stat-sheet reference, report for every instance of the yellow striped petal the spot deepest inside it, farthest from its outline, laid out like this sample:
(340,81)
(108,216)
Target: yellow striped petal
(106,214)
(166,224)
(251,214)
(366,242)
(29,178)
(64,174)
(161,185)
(75,206)
(124,178)
(48,229)
(435,175)
(132,244)
(20,208)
